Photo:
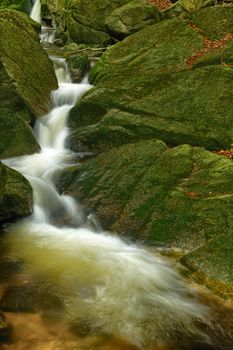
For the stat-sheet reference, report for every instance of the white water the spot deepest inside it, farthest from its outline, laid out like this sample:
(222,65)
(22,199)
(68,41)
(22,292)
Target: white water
(36,10)
(117,288)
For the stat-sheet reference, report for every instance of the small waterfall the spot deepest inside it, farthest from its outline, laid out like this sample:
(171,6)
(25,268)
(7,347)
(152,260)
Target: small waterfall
(36,11)
(47,34)
(115,287)
(42,169)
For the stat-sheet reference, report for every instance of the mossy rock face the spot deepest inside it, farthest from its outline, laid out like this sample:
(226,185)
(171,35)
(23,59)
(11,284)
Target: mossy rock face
(79,66)
(163,75)
(193,5)
(19,5)
(26,63)
(212,264)
(16,136)
(131,17)
(81,33)
(15,195)
(180,196)
(99,22)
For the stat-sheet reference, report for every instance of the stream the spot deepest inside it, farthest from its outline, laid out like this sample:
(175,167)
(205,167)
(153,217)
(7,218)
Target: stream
(76,286)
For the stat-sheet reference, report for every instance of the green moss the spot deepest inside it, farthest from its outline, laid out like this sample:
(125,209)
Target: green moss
(15,195)
(80,33)
(214,22)
(19,5)
(16,136)
(131,17)
(20,49)
(177,108)
(180,196)
(155,50)
(79,66)
(213,263)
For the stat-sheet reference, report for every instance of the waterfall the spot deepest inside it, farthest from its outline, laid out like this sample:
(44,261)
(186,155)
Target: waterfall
(118,288)
(36,10)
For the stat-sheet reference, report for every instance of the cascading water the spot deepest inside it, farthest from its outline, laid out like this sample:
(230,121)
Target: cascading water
(36,11)
(118,288)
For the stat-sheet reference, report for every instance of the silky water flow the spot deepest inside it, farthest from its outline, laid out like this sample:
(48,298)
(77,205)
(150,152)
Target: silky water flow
(117,288)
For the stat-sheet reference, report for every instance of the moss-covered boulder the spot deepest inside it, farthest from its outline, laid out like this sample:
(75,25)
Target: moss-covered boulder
(100,22)
(26,81)
(19,5)
(178,196)
(25,62)
(193,5)
(79,65)
(16,136)
(15,195)
(160,78)
(181,196)
(131,17)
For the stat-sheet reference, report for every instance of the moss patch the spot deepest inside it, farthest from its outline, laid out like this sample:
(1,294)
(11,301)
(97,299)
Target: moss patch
(15,195)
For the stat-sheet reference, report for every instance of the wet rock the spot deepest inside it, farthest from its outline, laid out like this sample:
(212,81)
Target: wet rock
(79,65)
(131,17)
(180,196)
(15,195)
(20,50)
(16,136)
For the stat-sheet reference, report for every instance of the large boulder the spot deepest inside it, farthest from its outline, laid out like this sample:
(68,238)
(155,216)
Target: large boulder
(15,195)
(100,22)
(181,196)
(16,136)
(156,83)
(131,17)
(26,81)
(19,5)
(178,196)
(26,63)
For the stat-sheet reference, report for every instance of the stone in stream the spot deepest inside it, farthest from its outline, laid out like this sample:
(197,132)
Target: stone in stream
(78,65)
(15,195)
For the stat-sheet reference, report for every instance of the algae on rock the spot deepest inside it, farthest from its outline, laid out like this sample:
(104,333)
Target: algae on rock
(19,5)
(26,62)
(26,81)
(15,195)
